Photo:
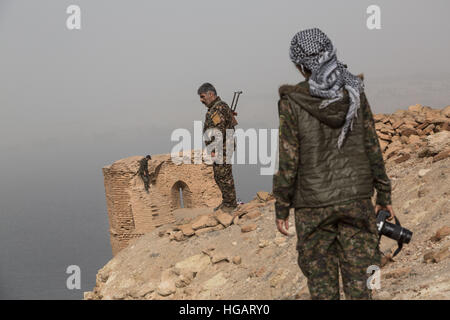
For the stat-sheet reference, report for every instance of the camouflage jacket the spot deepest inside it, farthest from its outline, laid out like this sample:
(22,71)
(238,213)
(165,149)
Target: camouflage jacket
(219,116)
(143,167)
(284,181)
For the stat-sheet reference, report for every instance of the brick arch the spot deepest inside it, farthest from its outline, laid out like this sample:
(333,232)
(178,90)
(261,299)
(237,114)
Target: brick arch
(175,199)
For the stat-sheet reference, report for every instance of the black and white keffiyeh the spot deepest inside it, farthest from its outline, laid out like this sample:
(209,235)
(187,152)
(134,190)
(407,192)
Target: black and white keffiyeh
(312,49)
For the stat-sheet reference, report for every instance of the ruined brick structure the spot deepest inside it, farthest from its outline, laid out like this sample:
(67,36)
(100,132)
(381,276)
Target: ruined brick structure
(132,211)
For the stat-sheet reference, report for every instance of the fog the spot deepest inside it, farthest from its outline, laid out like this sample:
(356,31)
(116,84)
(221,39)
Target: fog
(73,101)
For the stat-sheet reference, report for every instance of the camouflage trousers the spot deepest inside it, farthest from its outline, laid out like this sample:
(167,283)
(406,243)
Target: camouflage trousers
(146,179)
(337,237)
(224,178)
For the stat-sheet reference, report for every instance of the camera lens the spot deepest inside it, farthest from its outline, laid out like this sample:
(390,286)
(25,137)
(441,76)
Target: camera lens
(396,232)
(405,235)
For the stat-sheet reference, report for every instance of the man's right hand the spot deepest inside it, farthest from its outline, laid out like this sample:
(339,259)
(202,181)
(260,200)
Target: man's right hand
(283,226)
(387,208)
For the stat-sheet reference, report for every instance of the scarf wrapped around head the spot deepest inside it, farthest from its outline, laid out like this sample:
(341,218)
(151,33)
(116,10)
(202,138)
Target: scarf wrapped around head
(312,49)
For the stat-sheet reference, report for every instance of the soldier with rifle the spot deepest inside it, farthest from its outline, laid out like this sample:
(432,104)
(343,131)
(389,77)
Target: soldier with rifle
(220,116)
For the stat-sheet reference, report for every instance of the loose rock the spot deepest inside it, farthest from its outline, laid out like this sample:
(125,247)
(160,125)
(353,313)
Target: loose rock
(248,227)
(224,218)
(441,234)
(437,255)
(237,260)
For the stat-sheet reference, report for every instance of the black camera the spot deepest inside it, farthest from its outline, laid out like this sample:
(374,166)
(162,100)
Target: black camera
(392,231)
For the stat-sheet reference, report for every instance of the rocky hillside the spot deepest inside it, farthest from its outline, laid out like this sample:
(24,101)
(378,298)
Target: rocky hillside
(405,134)
(206,255)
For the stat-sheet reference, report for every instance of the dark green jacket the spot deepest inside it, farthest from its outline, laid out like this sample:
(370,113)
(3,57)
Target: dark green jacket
(313,172)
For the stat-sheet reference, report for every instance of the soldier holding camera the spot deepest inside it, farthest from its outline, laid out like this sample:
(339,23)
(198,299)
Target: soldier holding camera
(330,162)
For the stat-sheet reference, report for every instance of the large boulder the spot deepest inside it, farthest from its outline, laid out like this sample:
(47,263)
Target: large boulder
(438,142)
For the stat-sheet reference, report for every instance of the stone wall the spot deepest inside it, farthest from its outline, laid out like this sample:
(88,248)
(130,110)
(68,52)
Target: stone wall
(132,211)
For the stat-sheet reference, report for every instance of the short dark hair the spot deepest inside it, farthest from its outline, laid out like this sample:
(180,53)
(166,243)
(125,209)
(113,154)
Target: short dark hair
(204,88)
(305,69)
(148,157)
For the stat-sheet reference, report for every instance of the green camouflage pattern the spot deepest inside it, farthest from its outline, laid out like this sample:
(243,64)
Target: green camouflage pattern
(284,181)
(223,174)
(288,155)
(225,114)
(340,236)
(143,172)
(381,181)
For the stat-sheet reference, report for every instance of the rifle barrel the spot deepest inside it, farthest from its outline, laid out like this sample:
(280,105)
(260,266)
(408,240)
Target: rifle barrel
(232,103)
(238,94)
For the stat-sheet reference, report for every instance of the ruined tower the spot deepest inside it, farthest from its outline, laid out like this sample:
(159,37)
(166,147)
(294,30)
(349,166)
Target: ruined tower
(132,211)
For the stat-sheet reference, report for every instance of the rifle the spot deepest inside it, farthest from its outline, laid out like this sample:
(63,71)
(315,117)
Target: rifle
(233,107)
(234,103)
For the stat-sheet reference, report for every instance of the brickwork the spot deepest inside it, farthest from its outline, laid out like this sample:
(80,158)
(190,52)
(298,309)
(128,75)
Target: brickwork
(132,211)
